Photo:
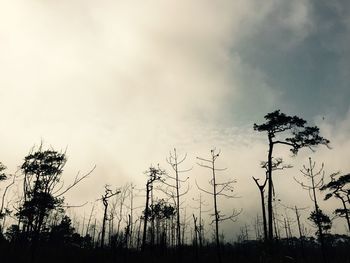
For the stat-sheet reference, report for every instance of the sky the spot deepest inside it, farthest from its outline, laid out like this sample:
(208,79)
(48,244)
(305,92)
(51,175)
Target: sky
(119,84)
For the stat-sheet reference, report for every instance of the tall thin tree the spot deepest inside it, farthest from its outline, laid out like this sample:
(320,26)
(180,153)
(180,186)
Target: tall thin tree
(290,131)
(277,164)
(174,185)
(218,189)
(107,195)
(153,174)
(316,182)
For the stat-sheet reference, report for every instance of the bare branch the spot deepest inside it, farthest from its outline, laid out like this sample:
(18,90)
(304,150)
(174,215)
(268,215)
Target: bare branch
(76,181)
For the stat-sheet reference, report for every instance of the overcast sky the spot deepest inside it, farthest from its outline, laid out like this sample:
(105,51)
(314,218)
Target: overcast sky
(121,83)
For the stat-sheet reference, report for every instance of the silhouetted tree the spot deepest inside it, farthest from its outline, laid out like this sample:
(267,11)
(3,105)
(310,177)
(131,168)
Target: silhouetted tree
(153,174)
(130,227)
(316,179)
(42,171)
(4,211)
(161,211)
(89,220)
(173,188)
(108,194)
(219,189)
(277,164)
(315,183)
(118,204)
(261,188)
(321,221)
(290,131)
(200,225)
(62,233)
(43,190)
(340,189)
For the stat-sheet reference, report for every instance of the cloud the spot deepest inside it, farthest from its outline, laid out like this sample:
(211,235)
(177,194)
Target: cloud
(123,82)
(300,48)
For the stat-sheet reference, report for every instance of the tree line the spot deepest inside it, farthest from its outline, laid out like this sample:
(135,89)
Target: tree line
(36,221)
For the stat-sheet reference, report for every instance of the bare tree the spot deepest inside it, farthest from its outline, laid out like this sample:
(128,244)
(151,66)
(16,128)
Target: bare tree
(131,215)
(200,219)
(196,233)
(277,164)
(296,210)
(108,194)
(173,188)
(89,220)
(219,189)
(124,191)
(316,179)
(4,211)
(261,188)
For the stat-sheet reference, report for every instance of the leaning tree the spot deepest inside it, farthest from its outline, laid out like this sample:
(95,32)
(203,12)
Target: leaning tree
(290,131)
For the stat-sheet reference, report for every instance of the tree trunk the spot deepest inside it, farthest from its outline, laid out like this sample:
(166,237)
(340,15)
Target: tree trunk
(270,190)
(346,213)
(104,224)
(216,216)
(145,218)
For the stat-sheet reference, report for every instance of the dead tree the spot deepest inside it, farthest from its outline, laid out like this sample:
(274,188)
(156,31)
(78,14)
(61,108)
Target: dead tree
(257,228)
(174,185)
(219,189)
(108,194)
(276,217)
(277,164)
(131,215)
(316,182)
(4,211)
(89,220)
(153,174)
(300,229)
(139,234)
(122,197)
(196,233)
(200,220)
(94,234)
(127,231)
(262,198)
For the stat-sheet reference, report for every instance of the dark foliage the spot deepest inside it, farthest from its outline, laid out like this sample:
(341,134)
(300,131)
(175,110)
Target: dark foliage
(299,135)
(319,218)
